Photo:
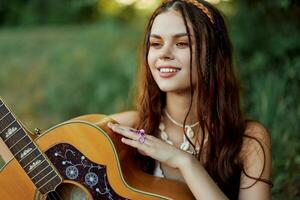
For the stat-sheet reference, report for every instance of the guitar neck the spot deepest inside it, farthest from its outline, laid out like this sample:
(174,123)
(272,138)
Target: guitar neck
(26,152)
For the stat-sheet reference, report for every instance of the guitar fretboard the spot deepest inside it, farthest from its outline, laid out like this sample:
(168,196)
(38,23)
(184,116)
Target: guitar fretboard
(26,152)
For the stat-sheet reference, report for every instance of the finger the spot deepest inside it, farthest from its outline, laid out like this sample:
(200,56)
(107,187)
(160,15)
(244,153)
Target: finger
(129,133)
(142,152)
(135,144)
(123,131)
(151,137)
(125,128)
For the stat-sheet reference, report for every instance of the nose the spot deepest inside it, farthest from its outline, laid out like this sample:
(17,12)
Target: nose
(166,53)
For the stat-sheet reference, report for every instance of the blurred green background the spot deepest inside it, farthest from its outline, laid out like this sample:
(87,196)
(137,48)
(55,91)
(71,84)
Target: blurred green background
(61,59)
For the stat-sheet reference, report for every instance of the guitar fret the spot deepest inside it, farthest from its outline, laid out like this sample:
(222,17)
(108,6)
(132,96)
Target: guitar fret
(6,119)
(26,152)
(3,110)
(35,167)
(31,162)
(8,126)
(4,116)
(48,166)
(51,185)
(47,182)
(40,171)
(23,148)
(29,152)
(12,134)
(32,158)
(19,145)
(44,177)
(17,142)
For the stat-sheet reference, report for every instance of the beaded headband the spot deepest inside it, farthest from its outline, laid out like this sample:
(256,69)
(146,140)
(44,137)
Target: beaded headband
(198,5)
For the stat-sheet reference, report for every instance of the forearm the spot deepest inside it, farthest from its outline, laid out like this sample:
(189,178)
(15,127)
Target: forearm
(198,180)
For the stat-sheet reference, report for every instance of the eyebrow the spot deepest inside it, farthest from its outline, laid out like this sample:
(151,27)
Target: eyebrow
(175,36)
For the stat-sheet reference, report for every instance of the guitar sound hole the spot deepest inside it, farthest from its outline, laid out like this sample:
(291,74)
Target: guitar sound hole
(68,191)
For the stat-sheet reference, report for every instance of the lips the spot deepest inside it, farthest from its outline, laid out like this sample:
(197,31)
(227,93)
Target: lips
(168,71)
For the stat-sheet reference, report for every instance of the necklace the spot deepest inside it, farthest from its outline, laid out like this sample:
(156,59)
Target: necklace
(188,128)
(185,145)
(177,123)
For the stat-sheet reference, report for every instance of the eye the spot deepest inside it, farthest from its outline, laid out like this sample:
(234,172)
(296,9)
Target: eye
(182,44)
(155,44)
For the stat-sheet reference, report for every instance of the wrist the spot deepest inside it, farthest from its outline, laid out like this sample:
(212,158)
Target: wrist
(185,160)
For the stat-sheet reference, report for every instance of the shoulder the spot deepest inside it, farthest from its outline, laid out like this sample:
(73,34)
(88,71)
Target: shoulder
(255,136)
(127,118)
(256,153)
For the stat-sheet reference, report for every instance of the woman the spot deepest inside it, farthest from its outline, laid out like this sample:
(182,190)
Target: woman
(188,124)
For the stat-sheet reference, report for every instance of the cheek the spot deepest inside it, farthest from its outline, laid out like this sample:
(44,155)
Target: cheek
(151,62)
(151,58)
(184,58)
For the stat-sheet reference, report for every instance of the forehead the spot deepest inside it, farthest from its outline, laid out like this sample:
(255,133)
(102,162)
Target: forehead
(168,23)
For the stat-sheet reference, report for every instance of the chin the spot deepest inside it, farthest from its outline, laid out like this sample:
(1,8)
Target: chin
(170,88)
(166,88)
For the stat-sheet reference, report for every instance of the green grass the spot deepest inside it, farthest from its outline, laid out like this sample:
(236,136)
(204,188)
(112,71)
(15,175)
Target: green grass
(50,74)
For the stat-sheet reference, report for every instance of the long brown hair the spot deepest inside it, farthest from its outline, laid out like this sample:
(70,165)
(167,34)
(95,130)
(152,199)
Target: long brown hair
(218,101)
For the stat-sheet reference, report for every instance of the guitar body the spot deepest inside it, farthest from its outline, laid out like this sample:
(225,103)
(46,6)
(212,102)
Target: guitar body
(92,163)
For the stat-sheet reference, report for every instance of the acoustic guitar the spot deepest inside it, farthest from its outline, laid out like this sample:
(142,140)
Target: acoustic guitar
(77,159)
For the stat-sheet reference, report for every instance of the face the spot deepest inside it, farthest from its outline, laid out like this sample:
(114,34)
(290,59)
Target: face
(169,53)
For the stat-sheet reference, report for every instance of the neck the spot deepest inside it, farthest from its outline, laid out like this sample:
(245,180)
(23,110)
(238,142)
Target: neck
(177,105)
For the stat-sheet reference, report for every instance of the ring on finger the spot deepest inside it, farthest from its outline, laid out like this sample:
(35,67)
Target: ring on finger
(141,133)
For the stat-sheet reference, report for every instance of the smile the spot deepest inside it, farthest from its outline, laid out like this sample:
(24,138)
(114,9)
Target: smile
(168,71)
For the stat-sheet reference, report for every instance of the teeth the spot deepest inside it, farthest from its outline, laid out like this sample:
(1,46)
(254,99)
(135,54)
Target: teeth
(166,70)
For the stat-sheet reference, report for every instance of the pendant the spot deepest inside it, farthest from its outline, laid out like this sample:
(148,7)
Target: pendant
(189,132)
(161,126)
(185,146)
(163,135)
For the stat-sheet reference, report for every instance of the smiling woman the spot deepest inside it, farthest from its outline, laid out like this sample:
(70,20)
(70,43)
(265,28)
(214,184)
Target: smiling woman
(165,46)
(188,117)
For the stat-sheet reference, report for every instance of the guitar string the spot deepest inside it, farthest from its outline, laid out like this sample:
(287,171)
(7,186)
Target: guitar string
(52,196)
(59,197)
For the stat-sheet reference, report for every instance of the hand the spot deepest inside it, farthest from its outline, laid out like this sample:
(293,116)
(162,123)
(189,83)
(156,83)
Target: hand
(151,146)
